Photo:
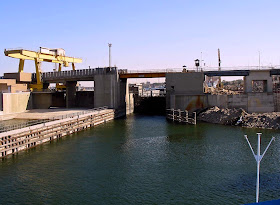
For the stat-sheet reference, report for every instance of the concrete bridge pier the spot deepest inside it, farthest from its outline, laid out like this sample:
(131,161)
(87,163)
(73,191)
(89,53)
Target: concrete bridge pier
(110,90)
(71,94)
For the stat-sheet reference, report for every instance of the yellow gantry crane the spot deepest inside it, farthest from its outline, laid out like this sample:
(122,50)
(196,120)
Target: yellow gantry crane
(44,55)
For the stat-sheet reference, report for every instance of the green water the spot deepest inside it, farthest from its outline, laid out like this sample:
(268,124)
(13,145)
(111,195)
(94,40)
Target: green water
(143,160)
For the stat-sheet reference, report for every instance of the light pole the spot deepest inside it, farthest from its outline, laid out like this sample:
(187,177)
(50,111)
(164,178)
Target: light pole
(196,61)
(110,45)
(259,60)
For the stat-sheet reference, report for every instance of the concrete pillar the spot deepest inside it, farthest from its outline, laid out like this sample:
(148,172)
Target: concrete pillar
(71,94)
(106,88)
(109,89)
(123,94)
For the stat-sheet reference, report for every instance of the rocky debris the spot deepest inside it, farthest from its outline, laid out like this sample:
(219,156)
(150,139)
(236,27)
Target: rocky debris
(240,117)
(263,120)
(221,116)
(221,91)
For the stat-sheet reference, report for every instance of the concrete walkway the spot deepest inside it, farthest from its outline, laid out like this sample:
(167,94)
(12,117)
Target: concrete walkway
(40,114)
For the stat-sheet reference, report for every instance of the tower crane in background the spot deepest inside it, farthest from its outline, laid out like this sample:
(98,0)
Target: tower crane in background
(44,55)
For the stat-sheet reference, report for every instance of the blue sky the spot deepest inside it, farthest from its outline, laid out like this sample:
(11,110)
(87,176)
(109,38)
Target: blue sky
(146,34)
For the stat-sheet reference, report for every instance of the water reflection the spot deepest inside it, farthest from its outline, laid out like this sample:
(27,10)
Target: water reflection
(142,160)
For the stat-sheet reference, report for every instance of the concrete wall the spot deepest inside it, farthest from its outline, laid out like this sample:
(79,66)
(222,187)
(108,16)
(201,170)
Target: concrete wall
(250,102)
(260,102)
(106,90)
(188,102)
(71,94)
(184,90)
(217,100)
(58,99)
(238,101)
(16,102)
(185,83)
(41,100)
(110,90)
(276,102)
(258,75)
(85,99)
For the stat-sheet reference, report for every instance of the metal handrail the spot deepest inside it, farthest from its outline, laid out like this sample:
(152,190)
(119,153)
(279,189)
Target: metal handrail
(60,117)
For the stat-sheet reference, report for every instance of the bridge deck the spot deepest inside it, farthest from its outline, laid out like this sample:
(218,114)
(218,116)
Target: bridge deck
(143,75)
(88,74)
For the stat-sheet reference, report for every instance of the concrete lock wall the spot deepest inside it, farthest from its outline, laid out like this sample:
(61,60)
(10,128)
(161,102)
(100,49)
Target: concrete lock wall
(16,102)
(185,83)
(250,102)
(217,100)
(184,89)
(188,102)
(106,90)
(276,102)
(238,101)
(110,90)
(260,102)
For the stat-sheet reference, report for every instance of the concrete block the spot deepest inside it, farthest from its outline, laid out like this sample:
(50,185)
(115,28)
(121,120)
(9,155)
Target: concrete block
(20,77)
(15,102)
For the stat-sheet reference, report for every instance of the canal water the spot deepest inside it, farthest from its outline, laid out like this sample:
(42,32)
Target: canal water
(143,160)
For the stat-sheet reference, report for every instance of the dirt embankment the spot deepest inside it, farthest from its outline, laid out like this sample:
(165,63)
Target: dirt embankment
(239,117)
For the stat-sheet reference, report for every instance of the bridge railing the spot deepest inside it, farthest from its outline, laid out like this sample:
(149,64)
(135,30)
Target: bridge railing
(76,73)
(84,73)
(124,71)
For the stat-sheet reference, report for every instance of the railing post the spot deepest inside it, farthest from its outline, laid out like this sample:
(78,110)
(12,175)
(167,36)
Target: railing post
(179,115)
(194,118)
(187,116)
(173,114)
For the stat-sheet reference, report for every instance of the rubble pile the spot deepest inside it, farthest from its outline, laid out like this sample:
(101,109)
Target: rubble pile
(219,91)
(264,120)
(241,118)
(221,116)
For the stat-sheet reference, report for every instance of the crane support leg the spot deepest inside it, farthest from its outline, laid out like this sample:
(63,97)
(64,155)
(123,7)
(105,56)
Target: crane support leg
(59,67)
(73,66)
(21,65)
(38,71)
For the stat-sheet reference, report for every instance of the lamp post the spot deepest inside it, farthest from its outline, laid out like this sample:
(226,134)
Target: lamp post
(196,64)
(184,69)
(110,45)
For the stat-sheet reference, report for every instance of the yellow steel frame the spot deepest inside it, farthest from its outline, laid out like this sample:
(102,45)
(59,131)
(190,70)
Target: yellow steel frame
(38,58)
